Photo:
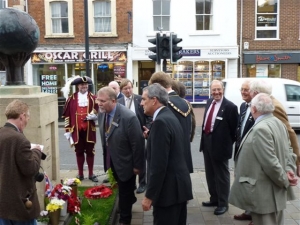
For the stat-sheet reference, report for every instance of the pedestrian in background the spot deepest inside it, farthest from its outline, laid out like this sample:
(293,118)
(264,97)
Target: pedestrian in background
(181,109)
(19,164)
(80,113)
(115,85)
(168,180)
(217,138)
(123,147)
(264,156)
(133,102)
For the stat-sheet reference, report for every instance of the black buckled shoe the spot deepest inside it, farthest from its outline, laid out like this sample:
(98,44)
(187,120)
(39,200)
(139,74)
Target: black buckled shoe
(93,178)
(80,177)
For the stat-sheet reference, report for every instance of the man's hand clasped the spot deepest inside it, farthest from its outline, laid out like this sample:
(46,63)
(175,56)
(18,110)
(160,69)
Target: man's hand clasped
(292,178)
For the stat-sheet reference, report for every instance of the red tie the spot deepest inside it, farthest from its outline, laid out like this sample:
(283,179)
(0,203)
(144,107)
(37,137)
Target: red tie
(209,118)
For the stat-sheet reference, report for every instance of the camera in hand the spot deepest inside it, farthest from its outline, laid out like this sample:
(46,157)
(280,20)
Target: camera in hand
(39,177)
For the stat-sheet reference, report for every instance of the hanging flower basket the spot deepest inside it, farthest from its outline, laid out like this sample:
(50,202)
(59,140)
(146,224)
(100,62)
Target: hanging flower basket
(101,191)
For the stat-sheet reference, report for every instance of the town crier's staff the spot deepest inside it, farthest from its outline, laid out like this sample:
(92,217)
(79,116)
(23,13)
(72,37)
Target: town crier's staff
(80,113)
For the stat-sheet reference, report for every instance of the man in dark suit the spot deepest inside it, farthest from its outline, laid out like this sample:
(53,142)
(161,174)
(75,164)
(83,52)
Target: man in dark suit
(123,147)
(168,180)
(218,135)
(181,109)
(133,102)
(115,85)
(245,122)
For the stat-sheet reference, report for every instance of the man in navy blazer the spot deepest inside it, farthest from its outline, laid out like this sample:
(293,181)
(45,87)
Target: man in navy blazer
(133,102)
(216,144)
(114,85)
(123,147)
(168,179)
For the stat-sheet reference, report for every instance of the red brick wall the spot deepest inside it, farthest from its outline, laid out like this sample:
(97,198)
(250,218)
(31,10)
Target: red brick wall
(36,10)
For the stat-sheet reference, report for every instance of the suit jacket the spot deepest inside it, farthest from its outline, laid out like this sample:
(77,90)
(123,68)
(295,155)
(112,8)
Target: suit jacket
(249,123)
(169,179)
(71,123)
(182,110)
(18,166)
(223,134)
(280,113)
(120,95)
(261,182)
(139,111)
(125,142)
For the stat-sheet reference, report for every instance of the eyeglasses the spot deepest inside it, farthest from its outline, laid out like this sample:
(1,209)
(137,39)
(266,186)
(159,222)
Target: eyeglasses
(244,90)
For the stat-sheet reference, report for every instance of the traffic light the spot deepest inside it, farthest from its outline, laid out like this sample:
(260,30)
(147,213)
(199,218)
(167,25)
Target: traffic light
(174,49)
(155,49)
(164,47)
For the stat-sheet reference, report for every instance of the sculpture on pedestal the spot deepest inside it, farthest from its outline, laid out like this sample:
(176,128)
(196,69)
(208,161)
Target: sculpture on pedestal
(19,36)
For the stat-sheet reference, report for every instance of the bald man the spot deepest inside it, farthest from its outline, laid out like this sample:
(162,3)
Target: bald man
(115,85)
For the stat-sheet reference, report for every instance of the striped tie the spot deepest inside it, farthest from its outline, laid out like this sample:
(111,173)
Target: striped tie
(240,129)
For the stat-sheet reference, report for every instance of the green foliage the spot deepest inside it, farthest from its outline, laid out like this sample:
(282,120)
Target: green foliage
(95,210)
(111,177)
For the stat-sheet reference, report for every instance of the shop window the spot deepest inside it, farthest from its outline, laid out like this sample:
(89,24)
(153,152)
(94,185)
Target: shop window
(2,4)
(267,17)
(204,15)
(218,70)
(59,18)
(264,70)
(102,18)
(161,15)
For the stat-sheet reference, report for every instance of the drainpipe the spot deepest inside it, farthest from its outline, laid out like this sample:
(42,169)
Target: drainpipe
(241,41)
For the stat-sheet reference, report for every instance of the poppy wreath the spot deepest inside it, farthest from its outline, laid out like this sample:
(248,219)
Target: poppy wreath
(101,191)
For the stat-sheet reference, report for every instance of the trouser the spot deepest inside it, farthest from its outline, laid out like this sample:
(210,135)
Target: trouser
(84,147)
(217,174)
(126,196)
(174,214)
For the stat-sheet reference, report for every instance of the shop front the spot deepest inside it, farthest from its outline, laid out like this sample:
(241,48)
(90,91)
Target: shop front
(51,69)
(272,64)
(196,69)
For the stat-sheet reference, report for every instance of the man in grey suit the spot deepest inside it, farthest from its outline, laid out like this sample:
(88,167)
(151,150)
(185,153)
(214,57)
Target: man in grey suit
(264,156)
(168,179)
(132,102)
(123,147)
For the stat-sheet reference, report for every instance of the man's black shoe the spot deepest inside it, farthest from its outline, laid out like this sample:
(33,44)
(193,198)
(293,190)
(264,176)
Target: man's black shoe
(93,178)
(220,210)
(209,204)
(141,189)
(80,177)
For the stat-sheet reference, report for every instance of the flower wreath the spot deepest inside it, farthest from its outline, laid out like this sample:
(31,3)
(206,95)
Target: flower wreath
(101,191)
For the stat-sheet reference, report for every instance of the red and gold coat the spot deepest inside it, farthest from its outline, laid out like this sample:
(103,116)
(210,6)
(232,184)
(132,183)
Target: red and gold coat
(73,123)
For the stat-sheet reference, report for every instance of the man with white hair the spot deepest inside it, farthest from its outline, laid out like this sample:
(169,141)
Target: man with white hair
(115,85)
(264,156)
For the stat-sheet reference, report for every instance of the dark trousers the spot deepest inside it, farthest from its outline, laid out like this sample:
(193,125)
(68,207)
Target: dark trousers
(217,174)
(174,214)
(126,197)
(13,222)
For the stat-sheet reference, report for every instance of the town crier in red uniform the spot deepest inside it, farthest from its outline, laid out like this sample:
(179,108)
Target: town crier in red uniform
(80,113)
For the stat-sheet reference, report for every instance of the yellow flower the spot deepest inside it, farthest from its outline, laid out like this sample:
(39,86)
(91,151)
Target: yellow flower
(55,204)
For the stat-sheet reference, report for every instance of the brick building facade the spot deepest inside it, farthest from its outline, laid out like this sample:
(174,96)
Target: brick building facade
(280,52)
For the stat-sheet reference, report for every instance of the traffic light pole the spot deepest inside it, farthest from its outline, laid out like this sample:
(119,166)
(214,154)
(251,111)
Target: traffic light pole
(164,65)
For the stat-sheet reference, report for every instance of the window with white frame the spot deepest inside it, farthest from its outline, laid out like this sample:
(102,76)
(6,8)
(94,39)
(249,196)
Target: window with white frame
(102,18)
(2,4)
(161,15)
(59,18)
(267,19)
(204,15)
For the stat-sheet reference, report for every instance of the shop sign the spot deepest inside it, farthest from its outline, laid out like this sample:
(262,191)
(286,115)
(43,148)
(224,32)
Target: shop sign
(266,19)
(271,58)
(78,56)
(120,70)
(49,83)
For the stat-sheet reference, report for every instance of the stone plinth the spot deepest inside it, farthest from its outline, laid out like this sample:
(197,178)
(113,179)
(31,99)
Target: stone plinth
(42,127)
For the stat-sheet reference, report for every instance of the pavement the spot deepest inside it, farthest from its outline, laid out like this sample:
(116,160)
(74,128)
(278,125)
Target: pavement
(197,214)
